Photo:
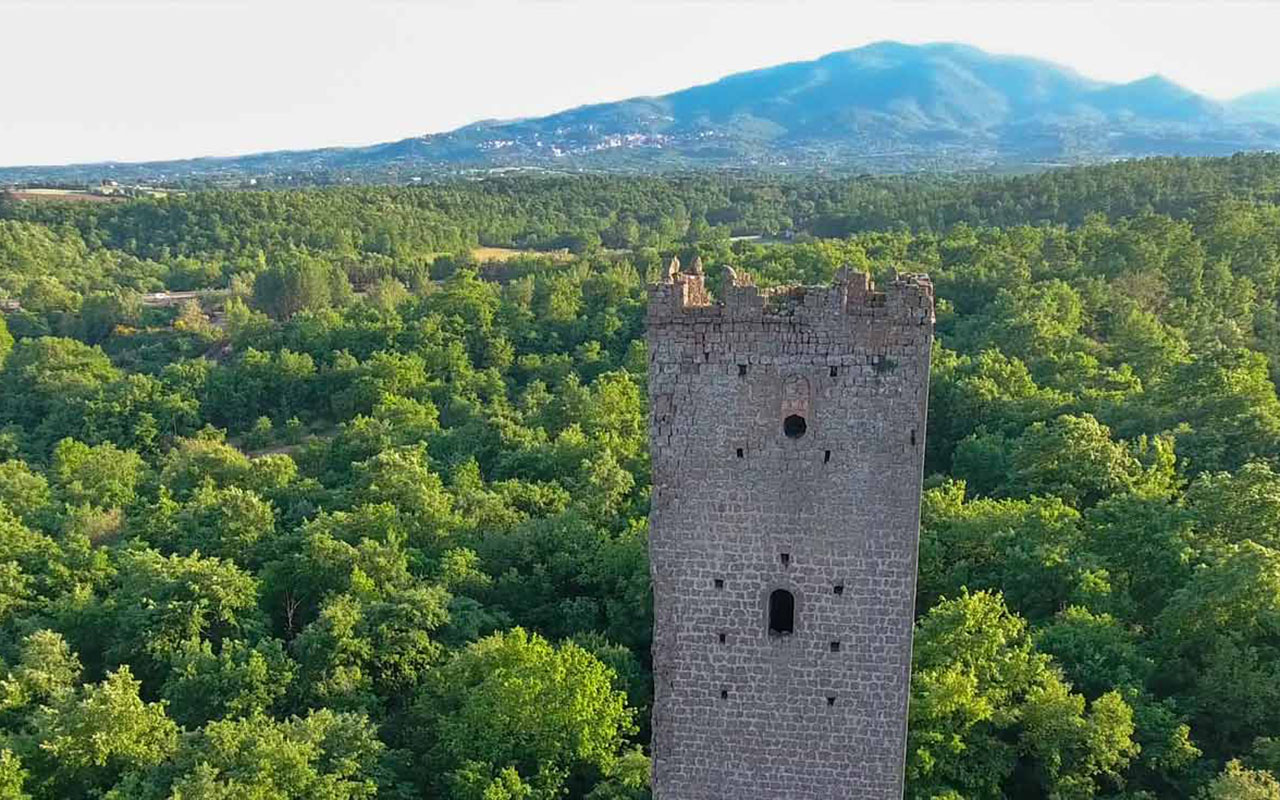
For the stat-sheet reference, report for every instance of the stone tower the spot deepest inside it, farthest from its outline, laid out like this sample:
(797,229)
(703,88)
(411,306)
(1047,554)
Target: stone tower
(787,434)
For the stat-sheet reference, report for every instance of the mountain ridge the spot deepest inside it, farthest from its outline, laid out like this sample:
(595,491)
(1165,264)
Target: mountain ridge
(884,107)
(1264,104)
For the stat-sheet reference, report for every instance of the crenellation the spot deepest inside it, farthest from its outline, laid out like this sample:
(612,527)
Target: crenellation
(787,440)
(683,298)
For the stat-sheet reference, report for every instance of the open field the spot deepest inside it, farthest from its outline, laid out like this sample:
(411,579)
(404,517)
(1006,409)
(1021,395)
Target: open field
(500,254)
(170,299)
(61,195)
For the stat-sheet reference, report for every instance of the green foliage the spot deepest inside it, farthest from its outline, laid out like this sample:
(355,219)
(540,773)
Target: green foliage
(32,567)
(299,283)
(325,756)
(231,523)
(1238,783)
(23,490)
(1072,458)
(259,435)
(1025,547)
(1220,636)
(102,475)
(1227,407)
(6,341)
(1096,652)
(1230,508)
(55,388)
(207,459)
(628,779)
(47,671)
(98,736)
(983,698)
(515,701)
(455,448)
(159,604)
(12,777)
(237,681)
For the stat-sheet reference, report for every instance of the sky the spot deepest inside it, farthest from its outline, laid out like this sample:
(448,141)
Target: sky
(94,80)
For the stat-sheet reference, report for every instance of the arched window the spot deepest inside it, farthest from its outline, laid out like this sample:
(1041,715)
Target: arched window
(794,426)
(782,613)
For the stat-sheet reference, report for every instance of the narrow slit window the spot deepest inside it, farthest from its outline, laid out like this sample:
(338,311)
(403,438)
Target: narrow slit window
(835,372)
(782,613)
(826,457)
(724,694)
(742,370)
(723,638)
(785,558)
(913,437)
(741,453)
(831,700)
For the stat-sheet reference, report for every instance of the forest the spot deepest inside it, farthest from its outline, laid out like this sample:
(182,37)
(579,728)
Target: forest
(366,516)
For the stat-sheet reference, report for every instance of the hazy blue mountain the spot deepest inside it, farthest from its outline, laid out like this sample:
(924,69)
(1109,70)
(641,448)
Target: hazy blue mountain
(1263,105)
(884,107)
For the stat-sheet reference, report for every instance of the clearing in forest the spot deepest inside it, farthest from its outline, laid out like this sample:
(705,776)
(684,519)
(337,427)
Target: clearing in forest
(483,254)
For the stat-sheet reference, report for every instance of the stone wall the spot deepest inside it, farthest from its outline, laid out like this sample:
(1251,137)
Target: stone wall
(741,509)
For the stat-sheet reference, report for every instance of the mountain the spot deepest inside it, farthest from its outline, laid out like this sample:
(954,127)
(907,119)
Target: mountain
(1263,105)
(884,107)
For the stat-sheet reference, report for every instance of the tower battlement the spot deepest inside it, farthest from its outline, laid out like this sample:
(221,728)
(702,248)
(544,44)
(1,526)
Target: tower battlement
(685,296)
(787,440)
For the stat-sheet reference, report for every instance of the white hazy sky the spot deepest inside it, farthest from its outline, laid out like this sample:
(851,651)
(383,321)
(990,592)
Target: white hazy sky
(89,80)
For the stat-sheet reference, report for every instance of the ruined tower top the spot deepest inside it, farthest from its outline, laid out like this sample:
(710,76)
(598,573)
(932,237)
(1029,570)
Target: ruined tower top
(684,296)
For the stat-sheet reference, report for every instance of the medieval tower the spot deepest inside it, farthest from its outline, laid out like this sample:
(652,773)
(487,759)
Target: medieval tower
(787,434)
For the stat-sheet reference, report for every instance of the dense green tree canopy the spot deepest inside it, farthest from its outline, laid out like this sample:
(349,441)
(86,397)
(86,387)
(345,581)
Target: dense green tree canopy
(365,516)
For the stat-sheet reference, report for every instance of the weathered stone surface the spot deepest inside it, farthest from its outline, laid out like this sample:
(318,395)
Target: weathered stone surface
(741,510)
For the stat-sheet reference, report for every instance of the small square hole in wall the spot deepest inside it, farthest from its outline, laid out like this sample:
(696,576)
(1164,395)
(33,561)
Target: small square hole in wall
(742,370)
(741,454)
(723,638)
(724,694)
(835,372)
(835,647)
(826,457)
(785,558)
(719,583)
(831,700)
(838,589)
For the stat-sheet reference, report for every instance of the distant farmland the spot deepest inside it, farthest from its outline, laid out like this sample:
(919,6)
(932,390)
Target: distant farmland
(503,254)
(61,195)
